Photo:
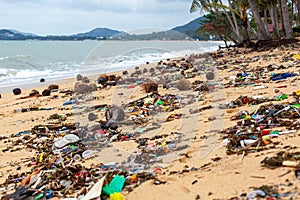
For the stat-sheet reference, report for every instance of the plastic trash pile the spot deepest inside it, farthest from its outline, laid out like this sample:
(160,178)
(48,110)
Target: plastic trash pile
(58,168)
(256,129)
(273,192)
(151,105)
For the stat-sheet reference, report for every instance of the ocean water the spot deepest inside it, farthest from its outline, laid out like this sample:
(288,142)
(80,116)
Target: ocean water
(24,62)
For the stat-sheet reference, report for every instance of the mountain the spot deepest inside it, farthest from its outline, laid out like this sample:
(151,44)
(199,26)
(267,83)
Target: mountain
(95,34)
(184,32)
(191,27)
(6,34)
(160,35)
(22,33)
(99,32)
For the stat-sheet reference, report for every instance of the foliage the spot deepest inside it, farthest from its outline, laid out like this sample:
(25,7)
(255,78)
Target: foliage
(238,20)
(218,26)
(296,29)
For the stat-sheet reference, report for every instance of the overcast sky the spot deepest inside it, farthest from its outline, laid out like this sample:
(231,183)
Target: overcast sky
(45,17)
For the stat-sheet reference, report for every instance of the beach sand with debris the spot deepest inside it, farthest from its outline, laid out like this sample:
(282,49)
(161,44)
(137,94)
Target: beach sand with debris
(198,166)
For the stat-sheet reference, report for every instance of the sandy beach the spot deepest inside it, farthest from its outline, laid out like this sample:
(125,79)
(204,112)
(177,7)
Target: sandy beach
(200,166)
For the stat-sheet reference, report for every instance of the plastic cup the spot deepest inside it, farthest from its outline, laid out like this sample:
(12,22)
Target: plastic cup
(77,158)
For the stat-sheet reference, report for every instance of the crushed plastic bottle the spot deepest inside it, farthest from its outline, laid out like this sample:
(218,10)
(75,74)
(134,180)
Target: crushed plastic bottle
(88,154)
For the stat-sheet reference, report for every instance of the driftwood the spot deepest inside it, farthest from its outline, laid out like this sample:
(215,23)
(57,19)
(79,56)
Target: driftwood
(263,44)
(228,46)
(150,87)
(273,43)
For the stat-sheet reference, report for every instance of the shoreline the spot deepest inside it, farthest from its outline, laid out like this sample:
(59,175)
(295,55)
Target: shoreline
(121,40)
(91,73)
(99,67)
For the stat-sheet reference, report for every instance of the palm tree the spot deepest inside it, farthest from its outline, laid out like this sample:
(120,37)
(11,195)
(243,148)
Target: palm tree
(271,6)
(286,20)
(274,17)
(243,6)
(234,19)
(240,10)
(214,6)
(260,25)
(293,2)
(298,10)
(217,24)
(265,21)
(202,5)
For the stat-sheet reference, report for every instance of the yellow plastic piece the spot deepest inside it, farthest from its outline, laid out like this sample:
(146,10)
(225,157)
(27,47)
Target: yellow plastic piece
(41,157)
(266,137)
(148,101)
(248,117)
(297,56)
(116,196)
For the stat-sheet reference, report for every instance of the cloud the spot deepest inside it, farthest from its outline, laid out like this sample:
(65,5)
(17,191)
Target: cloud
(105,5)
(72,16)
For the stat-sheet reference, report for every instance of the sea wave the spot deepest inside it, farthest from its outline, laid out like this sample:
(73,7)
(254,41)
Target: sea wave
(135,58)
(27,69)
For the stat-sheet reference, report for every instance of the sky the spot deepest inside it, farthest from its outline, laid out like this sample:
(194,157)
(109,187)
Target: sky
(62,17)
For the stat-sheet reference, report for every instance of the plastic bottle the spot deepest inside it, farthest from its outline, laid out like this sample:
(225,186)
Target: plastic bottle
(59,160)
(288,163)
(65,183)
(110,165)
(169,147)
(88,154)
(287,132)
(18,110)
(259,87)
(70,102)
(252,195)
(247,142)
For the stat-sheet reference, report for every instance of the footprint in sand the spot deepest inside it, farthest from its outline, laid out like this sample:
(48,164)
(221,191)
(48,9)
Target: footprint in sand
(185,189)
(169,179)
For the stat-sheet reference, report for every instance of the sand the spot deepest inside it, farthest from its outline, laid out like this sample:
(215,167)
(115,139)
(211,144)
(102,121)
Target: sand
(227,177)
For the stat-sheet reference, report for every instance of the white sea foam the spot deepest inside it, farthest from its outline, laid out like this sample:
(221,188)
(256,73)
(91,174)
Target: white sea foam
(42,62)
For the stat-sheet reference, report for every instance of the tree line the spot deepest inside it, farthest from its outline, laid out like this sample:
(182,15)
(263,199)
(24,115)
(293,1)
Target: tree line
(243,21)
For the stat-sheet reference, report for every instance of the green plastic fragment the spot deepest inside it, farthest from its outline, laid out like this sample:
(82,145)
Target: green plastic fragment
(284,96)
(159,102)
(115,185)
(275,133)
(296,105)
(39,196)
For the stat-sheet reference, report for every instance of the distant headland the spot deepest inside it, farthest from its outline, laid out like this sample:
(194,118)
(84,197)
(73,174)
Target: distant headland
(185,32)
